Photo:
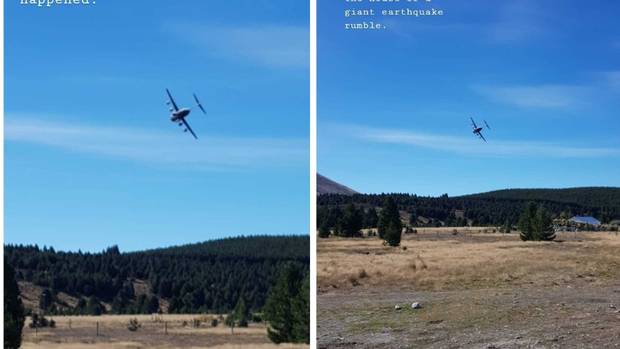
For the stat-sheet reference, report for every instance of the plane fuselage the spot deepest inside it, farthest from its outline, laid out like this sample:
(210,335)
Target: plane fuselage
(180,114)
(477,129)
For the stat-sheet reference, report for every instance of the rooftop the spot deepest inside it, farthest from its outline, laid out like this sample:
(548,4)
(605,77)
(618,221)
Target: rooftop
(585,220)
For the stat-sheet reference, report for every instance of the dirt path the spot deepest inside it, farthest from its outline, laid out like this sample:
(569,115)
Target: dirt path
(568,316)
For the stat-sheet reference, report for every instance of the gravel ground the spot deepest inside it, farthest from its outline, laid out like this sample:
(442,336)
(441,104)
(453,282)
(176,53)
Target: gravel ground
(580,315)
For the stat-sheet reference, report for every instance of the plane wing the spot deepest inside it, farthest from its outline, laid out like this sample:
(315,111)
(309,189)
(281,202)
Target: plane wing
(172,101)
(481,136)
(472,121)
(189,128)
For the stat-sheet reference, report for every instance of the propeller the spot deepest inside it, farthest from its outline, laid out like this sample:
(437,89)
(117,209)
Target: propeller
(485,122)
(199,105)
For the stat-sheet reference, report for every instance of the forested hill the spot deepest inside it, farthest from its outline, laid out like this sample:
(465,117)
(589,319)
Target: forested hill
(586,196)
(255,247)
(205,277)
(492,208)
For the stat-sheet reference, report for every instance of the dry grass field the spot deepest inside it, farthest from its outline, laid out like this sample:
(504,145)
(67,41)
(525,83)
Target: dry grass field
(478,289)
(73,332)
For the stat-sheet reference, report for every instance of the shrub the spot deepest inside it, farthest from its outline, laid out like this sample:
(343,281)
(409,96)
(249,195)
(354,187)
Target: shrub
(257,317)
(133,325)
(39,321)
(353,280)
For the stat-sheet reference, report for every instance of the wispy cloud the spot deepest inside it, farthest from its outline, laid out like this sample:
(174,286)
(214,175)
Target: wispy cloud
(156,147)
(267,45)
(612,79)
(537,96)
(472,146)
(519,21)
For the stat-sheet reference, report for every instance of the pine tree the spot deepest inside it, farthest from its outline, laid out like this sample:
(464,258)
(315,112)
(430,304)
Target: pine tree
(278,309)
(301,309)
(46,299)
(230,321)
(351,222)
(152,306)
(507,227)
(390,227)
(413,218)
(527,222)
(324,229)
(241,313)
(118,304)
(536,224)
(544,225)
(371,218)
(80,307)
(94,307)
(13,310)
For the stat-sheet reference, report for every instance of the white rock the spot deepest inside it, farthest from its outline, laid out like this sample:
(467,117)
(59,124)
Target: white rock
(397,307)
(416,305)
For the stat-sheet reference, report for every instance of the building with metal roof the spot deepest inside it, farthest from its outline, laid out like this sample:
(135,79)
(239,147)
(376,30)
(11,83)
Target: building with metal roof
(585,220)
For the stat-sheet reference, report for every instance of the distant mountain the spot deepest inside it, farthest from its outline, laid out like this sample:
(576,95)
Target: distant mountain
(325,185)
(204,277)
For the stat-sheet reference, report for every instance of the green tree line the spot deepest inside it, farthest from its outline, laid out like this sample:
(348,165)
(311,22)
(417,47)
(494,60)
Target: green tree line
(338,213)
(205,277)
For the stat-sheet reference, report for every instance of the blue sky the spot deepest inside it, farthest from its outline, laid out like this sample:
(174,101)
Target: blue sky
(394,105)
(91,156)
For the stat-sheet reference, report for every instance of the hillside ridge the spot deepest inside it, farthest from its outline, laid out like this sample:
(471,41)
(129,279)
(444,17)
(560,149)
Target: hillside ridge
(211,276)
(496,208)
(327,186)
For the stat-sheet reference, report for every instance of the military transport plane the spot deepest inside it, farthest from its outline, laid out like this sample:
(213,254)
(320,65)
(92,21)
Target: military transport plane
(179,115)
(478,130)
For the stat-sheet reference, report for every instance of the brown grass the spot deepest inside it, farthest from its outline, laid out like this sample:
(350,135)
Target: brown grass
(438,259)
(74,332)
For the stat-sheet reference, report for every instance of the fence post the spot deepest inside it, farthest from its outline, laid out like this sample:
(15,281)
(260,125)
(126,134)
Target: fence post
(165,327)
(97,328)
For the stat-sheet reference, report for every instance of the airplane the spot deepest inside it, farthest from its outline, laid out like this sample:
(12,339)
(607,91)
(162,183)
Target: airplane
(179,115)
(478,130)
